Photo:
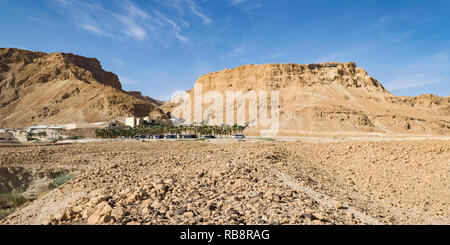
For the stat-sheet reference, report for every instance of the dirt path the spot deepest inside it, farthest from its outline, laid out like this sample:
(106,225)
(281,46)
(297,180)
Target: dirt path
(326,200)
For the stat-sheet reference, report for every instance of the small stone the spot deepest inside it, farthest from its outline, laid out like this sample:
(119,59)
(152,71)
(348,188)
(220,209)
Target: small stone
(147,203)
(181,211)
(117,213)
(60,216)
(156,204)
(77,209)
(189,215)
(318,216)
(133,223)
(106,219)
(133,198)
(169,182)
(306,216)
(87,212)
(212,207)
(317,222)
(276,198)
(94,219)
(103,209)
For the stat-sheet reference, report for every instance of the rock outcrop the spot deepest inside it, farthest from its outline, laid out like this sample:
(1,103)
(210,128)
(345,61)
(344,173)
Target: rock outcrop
(55,88)
(328,98)
(145,98)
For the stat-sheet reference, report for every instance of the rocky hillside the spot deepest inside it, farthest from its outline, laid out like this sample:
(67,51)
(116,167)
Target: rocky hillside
(331,98)
(145,98)
(253,183)
(37,88)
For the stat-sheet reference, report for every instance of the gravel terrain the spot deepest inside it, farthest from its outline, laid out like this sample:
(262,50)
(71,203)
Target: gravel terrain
(226,182)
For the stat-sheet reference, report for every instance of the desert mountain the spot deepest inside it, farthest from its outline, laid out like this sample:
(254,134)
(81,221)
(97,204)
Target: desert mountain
(40,88)
(330,98)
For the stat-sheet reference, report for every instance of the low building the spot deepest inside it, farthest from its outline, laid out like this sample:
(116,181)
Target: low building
(43,131)
(139,121)
(130,121)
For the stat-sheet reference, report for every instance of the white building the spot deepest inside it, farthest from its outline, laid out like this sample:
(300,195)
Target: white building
(130,121)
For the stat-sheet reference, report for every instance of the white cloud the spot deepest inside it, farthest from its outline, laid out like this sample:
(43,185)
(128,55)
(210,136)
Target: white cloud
(132,29)
(94,29)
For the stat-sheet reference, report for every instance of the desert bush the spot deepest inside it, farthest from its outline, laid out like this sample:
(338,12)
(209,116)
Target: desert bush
(63,179)
(11,200)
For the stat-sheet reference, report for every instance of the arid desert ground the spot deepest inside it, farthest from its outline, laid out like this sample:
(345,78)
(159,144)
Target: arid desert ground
(335,181)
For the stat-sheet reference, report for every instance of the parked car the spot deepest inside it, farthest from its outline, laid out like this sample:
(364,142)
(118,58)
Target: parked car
(207,137)
(185,136)
(238,136)
(170,136)
(158,136)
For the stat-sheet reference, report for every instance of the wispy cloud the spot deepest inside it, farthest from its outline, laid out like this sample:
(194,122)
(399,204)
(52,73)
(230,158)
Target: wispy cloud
(277,55)
(186,7)
(198,12)
(235,2)
(235,52)
(123,20)
(247,5)
(431,70)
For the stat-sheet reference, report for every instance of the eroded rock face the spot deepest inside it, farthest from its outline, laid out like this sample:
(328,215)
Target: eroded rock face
(40,88)
(326,98)
(278,76)
(42,67)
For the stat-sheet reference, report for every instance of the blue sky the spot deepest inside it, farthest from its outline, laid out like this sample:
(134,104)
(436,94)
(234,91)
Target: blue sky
(161,46)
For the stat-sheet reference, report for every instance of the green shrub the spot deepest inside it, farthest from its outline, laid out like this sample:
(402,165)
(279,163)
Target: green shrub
(63,179)
(11,200)
(75,137)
